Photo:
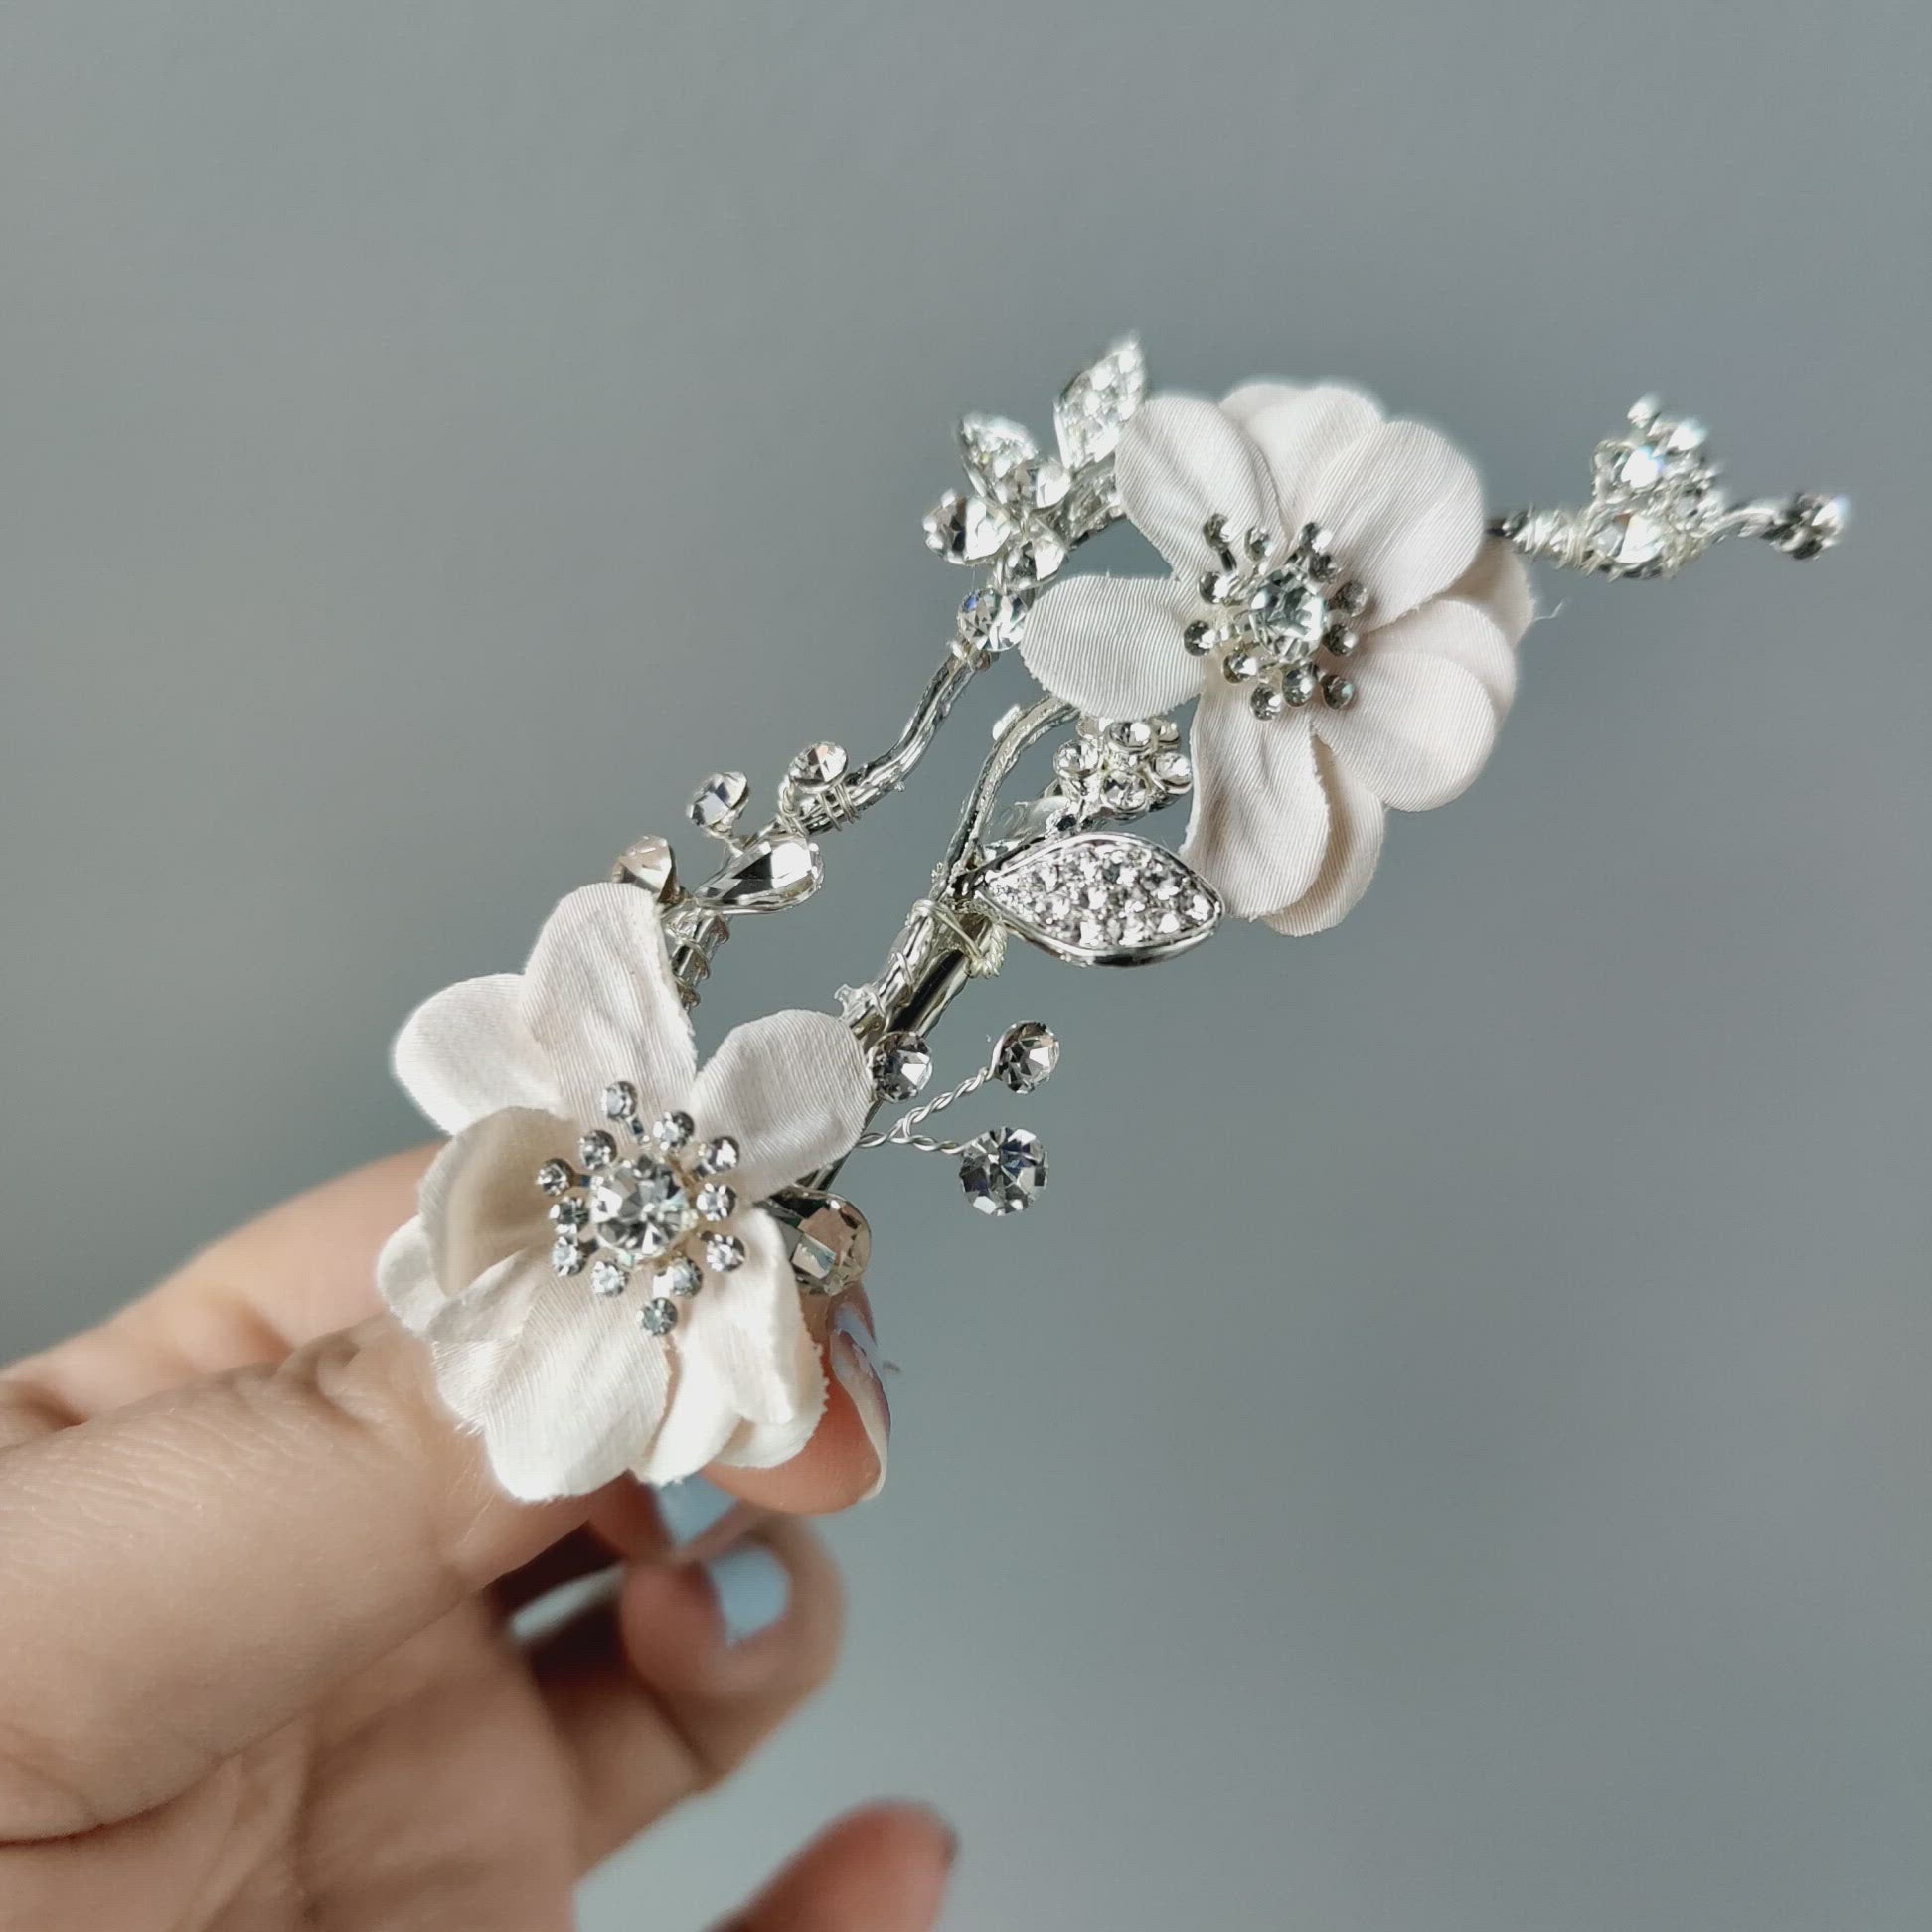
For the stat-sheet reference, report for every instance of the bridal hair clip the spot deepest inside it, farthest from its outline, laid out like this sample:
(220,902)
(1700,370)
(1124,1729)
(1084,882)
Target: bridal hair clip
(624,1260)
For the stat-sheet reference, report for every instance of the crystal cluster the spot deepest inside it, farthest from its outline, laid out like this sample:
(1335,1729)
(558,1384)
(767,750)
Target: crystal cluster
(657,1210)
(1276,618)
(1102,899)
(1123,769)
(1654,497)
(1024,509)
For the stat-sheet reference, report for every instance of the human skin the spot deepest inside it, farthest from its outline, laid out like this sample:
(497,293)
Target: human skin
(256,1665)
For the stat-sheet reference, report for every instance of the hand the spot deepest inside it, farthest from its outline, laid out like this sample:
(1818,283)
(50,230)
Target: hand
(258,1664)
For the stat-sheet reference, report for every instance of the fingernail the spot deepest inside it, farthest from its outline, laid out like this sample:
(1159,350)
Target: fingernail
(690,1508)
(752,1587)
(854,1368)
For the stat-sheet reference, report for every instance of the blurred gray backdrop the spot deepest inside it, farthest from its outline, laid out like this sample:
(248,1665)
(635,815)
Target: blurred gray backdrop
(1449,1453)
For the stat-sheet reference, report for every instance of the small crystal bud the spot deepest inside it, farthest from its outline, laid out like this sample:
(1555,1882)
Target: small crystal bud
(1340,641)
(1003,1169)
(658,1317)
(619,1101)
(596,1149)
(723,1253)
(556,1178)
(609,1278)
(819,764)
(646,862)
(1351,597)
(719,800)
(1299,685)
(680,1276)
(1198,639)
(1264,700)
(1338,691)
(1026,1057)
(993,620)
(671,1131)
(716,1157)
(1134,732)
(1240,666)
(715,1202)
(901,1065)
(1173,771)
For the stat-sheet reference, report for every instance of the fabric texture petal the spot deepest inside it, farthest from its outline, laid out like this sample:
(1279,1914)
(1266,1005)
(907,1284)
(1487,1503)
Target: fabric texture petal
(1446,627)
(1246,401)
(1259,826)
(467,1051)
(1417,733)
(479,1201)
(405,1276)
(1301,434)
(1356,822)
(601,1003)
(793,1091)
(1181,460)
(1497,585)
(564,1388)
(1112,645)
(1407,511)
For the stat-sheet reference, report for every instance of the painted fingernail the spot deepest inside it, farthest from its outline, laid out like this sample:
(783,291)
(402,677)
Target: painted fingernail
(690,1508)
(854,1368)
(752,1587)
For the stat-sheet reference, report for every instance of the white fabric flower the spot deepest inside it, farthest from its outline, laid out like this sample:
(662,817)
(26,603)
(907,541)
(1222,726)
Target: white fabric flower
(1288,809)
(564,1385)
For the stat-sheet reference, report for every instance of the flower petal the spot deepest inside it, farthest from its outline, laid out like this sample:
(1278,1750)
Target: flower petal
(1497,585)
(1356,820)
(405,1276)
(564,1388)
(1407,511)
(1446,627)
(1183,459)
(1300,434)
(479,1201)
(1260,817)
(467,1051)
(791,1089)
(601,1003)
(1112,645)
(1250,398)
(1417,733)
(749,1375)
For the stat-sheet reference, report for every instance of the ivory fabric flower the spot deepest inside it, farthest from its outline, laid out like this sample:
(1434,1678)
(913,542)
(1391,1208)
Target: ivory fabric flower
(1335,606)
(597,1286)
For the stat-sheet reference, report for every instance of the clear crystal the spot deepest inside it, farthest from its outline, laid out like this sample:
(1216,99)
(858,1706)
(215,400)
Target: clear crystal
(672,1130)
(1173,771)
(993,449)
(832,1247)
(1026,1057)
(641,1206)
(609,1278)
(723,1253)
(647,862)
(595,1148)
(569,1215)
(619,1101)
(679,1276)
(994,620)
(566,1257)
(1628,539)
(767,875)
(965,529)
(658,1317)
(719,800)
(901,1065)
(818,765)
(716,1157)
(1003,1169)
(1075,896)
(717,1203)
(556,1177)
(1094,406)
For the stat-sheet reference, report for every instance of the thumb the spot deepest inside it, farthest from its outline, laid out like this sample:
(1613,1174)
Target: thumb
(186,1574)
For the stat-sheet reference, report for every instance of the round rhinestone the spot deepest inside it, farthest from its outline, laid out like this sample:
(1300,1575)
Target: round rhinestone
(716,1157)
(717,1203)
(1026,1057)
(719,800)
(641,1206)
(1299,685)
(723,1253)
(566,1257)
(1338,691)
(1173,771)
(619,1101)
(671,1131)
(569,1215)
(658,1317)
(901,1065)
(556,1178)
(1198,639)
(819,764)
(1264,700)
(593,1150)
(1002,1171)
(679,1276)
(609,1278)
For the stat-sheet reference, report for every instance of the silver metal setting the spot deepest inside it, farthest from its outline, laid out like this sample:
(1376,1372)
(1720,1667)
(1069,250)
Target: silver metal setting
(1280,616)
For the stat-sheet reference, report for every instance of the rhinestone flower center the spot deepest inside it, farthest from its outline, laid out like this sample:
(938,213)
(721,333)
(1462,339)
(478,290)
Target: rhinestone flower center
(661,1204)
(1275,618)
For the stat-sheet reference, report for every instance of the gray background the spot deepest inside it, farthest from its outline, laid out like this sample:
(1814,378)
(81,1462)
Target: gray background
(1450,1451)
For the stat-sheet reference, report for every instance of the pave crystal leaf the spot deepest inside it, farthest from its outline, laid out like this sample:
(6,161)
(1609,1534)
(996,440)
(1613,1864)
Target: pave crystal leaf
(1003,1169)
(993,449)
(767,874)
(965,529)
(1094,406)
(1101,898)
(719,800)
